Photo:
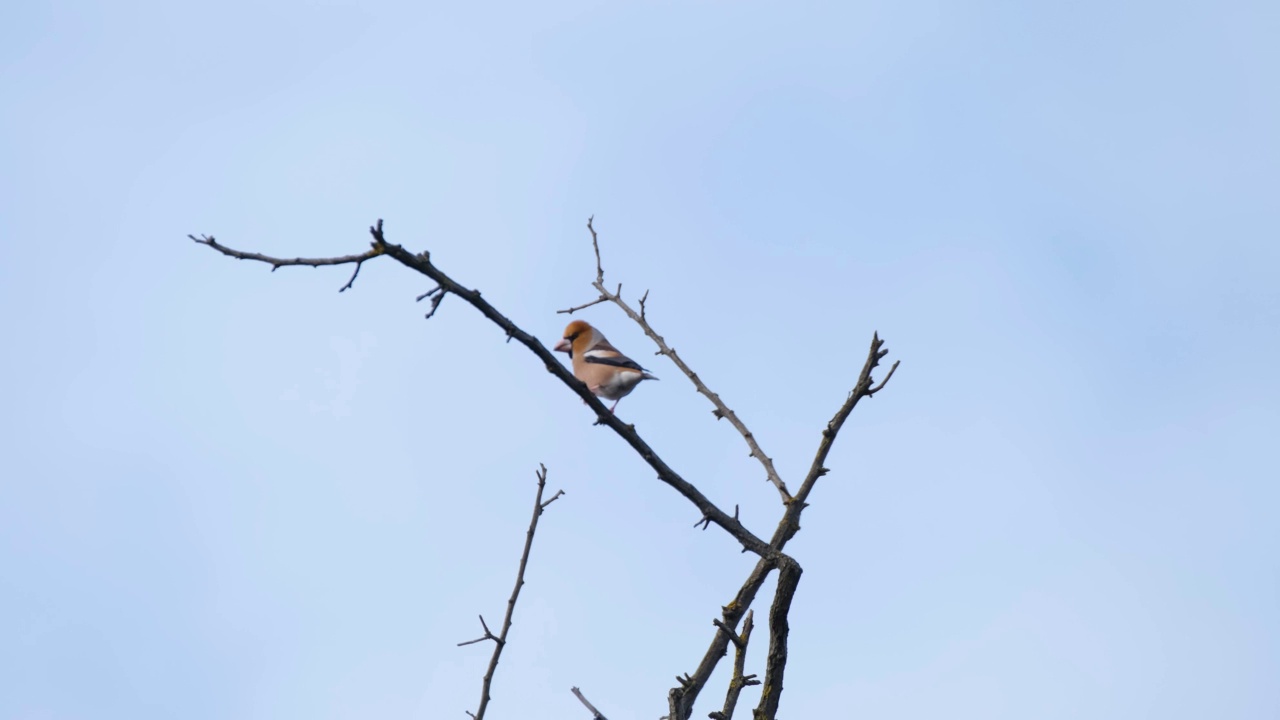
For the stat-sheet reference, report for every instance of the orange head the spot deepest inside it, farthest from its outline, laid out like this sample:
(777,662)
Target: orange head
(579,336)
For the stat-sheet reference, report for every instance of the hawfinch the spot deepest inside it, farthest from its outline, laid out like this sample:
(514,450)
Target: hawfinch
(608,373)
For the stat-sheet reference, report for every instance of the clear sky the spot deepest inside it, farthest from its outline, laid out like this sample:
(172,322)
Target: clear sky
(228,493)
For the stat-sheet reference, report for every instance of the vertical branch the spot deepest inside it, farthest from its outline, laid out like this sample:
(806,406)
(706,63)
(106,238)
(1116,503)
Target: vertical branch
(738,681)
(771,694)
(500,640)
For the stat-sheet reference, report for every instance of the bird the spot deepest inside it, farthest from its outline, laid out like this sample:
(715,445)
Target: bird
(608,373)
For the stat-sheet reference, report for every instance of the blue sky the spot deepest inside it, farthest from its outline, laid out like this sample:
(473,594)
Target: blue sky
(236,494)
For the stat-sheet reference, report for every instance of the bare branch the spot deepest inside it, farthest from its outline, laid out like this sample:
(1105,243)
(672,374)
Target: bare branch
(595,245)
(738,681)
(865,387)
(354,275)
(277,263)
(421,262)
(500,641)
(553,499)
(771,694)
(572,310)
(681,699)
(892,369)
(595,714)
(721,410)
(488,635)
(436,294)
(733,636)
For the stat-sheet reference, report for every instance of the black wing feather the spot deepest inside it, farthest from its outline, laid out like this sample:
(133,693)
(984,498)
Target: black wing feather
(623,362)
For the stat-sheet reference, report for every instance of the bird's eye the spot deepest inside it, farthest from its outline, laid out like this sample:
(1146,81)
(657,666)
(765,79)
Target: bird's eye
(572,337)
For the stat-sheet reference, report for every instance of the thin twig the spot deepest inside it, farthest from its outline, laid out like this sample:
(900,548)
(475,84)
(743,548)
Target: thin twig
(421,262)
(595,714)
(572,310)
(553,499)
(277,263)
(436,294)
(500,641)
(721,410)
(488,635)
(595,245)
(354,275)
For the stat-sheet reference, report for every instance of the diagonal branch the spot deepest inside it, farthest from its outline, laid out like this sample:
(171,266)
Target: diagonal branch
(681,699)
(721,410)
(500,641)
(771,694)
(865,387)
(421,262)
(595,714)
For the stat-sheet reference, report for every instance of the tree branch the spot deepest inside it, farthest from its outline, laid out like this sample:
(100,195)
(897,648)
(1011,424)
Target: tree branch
(738,681)
(583,306)
(770,554)
(790,523)
(595,714)
(721,410)
(436,294)
(771,694)
(421,262)
(595,245)
(500,641)
(488,635)
(277,263)
(681,699)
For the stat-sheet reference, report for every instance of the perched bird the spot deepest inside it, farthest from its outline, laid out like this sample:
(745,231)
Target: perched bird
(608,373)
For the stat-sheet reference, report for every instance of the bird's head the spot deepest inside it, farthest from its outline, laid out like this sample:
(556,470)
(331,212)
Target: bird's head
(578,336)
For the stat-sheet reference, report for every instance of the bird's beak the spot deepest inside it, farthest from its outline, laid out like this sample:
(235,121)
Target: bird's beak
(562,346)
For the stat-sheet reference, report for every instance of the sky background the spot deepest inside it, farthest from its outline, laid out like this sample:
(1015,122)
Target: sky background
(228,493)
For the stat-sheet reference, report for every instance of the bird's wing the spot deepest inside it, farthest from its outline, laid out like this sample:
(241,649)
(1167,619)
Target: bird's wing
(605,354)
